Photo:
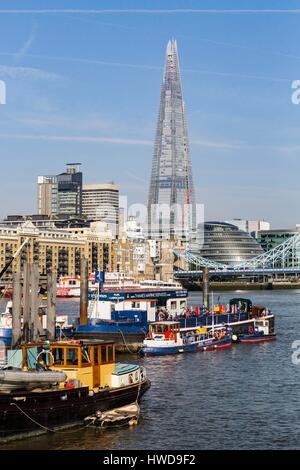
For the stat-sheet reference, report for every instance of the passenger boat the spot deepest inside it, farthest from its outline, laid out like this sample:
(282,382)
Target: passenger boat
(94,383)
(240,315)
(168,338)
(124,316)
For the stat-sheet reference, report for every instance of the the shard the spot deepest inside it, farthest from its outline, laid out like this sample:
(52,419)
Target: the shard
(171,202)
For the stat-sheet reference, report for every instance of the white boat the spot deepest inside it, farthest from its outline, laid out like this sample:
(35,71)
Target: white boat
(126,415)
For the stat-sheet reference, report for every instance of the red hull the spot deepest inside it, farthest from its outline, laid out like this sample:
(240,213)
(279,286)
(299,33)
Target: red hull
(263,340)
(216,347)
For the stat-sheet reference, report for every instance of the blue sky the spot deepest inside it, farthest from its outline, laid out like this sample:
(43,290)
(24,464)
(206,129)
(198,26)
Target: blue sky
(84,86)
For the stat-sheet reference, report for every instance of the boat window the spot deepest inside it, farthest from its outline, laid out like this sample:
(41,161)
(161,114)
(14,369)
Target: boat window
(103,355)
(72,357)
(96,356)
(58,356)
(173,305)
(85,358)
(110,353)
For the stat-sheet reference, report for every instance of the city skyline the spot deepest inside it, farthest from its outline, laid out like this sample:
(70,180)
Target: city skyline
(66,102)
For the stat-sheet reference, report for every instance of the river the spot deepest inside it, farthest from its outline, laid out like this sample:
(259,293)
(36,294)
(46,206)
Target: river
(246,397)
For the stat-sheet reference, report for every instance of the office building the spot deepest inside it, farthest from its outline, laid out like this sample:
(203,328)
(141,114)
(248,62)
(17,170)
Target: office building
(100,202)
(250,226)
(171,201)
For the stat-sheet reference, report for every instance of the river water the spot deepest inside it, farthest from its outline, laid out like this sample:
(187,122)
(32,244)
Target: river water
(246,397)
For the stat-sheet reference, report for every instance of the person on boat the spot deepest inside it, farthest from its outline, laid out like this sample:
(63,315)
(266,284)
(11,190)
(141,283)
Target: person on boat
(167,334)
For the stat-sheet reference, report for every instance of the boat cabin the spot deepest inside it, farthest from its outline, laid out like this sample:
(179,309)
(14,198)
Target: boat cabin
(86,363)
(167,330)
(91,363)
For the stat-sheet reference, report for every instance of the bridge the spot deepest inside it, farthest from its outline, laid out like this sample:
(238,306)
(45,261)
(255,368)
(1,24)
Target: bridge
(237,272)
(271,262)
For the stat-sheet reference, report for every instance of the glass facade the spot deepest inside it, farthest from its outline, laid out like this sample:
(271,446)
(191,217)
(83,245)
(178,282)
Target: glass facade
(171,202)
(225,243)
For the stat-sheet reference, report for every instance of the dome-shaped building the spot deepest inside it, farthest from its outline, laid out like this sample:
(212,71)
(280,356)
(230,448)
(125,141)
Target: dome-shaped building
(226,243)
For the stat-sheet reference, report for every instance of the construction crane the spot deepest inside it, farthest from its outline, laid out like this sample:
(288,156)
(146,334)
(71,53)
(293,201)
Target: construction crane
(17,253)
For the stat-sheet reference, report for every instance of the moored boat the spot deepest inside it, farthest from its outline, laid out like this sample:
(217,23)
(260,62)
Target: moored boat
(255,338)
(124,316)
(94,382)
(167,337)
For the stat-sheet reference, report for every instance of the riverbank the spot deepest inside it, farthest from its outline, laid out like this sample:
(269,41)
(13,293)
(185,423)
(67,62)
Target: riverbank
(231,286)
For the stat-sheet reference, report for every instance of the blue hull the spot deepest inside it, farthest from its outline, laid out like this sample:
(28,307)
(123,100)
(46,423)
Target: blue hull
(255,338)
(188,348)
(5,336)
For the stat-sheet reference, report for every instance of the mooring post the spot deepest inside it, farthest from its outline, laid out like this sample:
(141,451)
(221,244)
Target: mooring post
(16,312)
(34,303)
(26,302)
(84,291)
(51,305)
(205,287)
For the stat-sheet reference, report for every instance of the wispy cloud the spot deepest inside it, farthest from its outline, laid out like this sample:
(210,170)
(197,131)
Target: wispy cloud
(77,138)
(154,11)
(153,67)
(11,71)
(27,44)
(219,145)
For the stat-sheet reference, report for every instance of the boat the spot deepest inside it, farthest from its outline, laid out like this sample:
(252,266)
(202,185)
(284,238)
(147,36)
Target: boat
(256,337)
(124,416)
(166,337)
(17,379)
(63,328)
(243,318)
(112,282)
(94,382)
(124,316)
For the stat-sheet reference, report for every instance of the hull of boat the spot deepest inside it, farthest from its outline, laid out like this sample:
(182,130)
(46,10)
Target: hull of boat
(218,344)
(124,340)
(58,409)
(197,346)
(256,338)
(5,336)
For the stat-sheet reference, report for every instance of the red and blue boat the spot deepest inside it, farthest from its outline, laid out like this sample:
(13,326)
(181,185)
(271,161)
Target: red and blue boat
(166,337)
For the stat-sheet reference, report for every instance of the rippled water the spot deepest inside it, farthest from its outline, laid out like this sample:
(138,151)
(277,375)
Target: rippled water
(247,397)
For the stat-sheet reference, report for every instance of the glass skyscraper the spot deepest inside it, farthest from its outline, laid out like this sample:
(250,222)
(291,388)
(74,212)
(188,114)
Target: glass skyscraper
(171,202)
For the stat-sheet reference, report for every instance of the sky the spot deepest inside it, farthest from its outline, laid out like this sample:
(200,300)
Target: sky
(83,85)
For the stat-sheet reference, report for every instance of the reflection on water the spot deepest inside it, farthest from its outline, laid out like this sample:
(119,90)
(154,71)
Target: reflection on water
(247,397)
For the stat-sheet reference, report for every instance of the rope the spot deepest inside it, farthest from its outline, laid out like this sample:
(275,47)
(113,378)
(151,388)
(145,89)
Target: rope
(125,344)
(31,419)
(48,429)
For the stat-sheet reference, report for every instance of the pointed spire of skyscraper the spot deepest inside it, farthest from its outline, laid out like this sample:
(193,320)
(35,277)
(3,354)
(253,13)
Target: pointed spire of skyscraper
(171,202)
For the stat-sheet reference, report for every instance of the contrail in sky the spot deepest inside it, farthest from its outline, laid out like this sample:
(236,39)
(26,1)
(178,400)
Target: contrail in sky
(153,11)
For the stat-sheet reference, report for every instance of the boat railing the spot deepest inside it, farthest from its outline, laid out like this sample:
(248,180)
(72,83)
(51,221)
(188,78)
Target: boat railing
(209,320)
